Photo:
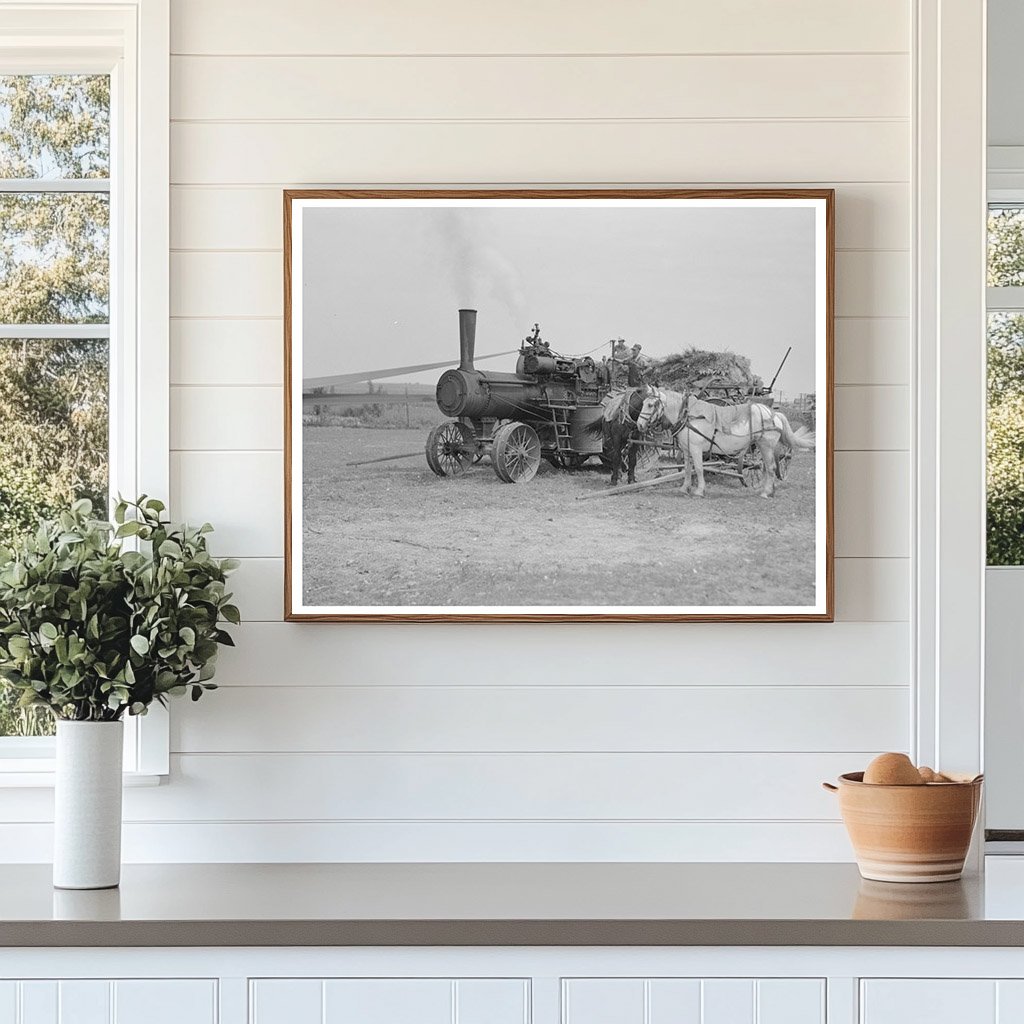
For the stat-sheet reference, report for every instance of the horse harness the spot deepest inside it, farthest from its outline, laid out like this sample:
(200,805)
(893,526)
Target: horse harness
(687,424)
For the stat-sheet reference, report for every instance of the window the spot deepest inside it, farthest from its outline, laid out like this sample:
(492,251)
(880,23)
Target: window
(84,124)
(54,308)
(1005,486)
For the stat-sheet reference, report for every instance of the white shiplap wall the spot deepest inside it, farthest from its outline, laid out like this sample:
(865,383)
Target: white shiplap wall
(687,741)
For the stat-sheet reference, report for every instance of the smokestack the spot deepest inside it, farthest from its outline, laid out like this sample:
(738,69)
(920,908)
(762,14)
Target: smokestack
(467,338)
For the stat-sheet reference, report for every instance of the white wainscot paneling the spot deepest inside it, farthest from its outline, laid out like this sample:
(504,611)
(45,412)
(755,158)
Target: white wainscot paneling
(573,87)
(227,418)
(405,26)
(940,1001)
(226,284)
(109,1002)
(868,216)
(389,1001)
(872,589)
(872,350)
(234,352)
(239,492)
(258,587)
(872,283)
(872,504)
(797,654)
(231,284)
(501,786)
(580,151)
(546,718)
(693,1001)
(871,418)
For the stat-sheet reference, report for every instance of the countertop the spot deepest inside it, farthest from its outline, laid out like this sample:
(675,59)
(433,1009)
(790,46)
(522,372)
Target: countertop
(517,904)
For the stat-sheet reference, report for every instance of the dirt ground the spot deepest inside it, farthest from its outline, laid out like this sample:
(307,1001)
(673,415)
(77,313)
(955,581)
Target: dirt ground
(393,533)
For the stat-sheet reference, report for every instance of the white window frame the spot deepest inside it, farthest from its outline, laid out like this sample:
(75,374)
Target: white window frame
(949,395)
(130,41)
(1004,716)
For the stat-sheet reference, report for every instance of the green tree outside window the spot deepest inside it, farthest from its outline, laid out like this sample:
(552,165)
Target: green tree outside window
(54,271)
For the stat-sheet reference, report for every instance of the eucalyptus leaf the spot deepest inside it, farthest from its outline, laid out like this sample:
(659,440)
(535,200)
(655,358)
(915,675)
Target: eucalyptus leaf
(92,631)
(170,549)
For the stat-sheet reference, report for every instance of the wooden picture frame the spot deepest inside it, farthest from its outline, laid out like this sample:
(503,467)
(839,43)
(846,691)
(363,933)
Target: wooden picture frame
(327,221)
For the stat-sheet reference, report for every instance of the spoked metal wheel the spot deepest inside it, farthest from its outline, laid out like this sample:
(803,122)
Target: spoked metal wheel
(451,447)
(516,453)
(783,457)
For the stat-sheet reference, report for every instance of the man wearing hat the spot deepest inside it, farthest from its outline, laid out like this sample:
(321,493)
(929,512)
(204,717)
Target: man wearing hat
(637,366)
(620,363)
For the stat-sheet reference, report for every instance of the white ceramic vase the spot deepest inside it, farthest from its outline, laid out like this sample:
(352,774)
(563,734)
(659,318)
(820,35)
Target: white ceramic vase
(87,807)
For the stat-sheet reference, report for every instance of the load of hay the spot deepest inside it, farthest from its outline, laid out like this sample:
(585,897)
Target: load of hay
(697,366)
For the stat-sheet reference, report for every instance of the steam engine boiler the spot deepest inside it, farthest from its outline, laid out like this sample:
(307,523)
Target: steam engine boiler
(542,410)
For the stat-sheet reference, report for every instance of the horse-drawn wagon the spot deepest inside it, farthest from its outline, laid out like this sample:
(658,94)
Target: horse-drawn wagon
(747,466)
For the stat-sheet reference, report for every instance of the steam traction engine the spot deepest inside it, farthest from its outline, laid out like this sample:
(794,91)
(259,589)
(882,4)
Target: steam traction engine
(542,410)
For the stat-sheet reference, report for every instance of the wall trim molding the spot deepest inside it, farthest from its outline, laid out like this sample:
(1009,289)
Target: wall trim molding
(948,446)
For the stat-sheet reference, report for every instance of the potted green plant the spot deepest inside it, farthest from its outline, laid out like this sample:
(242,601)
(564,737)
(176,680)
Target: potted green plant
(99,620)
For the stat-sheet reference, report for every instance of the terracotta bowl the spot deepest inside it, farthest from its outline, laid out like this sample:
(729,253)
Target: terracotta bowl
(909,833)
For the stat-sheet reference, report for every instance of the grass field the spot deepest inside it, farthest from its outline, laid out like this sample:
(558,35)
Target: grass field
(395,534)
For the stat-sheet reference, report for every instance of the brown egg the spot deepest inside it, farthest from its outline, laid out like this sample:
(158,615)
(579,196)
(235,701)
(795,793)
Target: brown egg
(892,770)
(928,774)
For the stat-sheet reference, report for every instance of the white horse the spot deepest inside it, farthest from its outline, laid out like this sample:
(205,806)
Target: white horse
(728,430)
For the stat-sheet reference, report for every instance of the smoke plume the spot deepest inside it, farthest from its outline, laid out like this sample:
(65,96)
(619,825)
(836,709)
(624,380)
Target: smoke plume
(479,272)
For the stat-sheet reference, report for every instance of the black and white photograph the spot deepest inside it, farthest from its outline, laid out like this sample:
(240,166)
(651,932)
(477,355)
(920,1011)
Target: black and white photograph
(559,405)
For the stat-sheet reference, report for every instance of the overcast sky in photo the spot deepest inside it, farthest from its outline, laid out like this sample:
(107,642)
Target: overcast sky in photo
(381,286)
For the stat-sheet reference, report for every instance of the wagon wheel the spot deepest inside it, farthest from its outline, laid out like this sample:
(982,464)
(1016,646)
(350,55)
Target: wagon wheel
(516,453)
(752,472)
(783,457)
(450,448)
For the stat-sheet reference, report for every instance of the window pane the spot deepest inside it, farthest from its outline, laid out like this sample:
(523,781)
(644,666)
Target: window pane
(1006,439)
(1005,246)
(53,449)
(54,258)
(54,126)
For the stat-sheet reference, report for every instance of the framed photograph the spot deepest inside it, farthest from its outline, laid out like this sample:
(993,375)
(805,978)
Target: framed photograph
(558,405)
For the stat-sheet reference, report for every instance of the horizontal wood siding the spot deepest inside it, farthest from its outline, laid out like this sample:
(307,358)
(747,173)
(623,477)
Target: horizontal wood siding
(680,741)
(538,27)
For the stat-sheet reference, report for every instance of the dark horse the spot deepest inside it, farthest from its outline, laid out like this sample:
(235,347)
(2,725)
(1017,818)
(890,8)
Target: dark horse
(618,428)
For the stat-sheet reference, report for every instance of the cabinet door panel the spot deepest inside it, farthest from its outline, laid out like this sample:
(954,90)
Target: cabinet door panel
(84,1002)
(1010,1002)
(728,1001)
(165,1002)
(791,1001)
(931,1001)
(693,1001)
(8,1002)
(285,1001)
(491,1001)
(38,1002)
(388,1001)
(603,1001)
(674,1001)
